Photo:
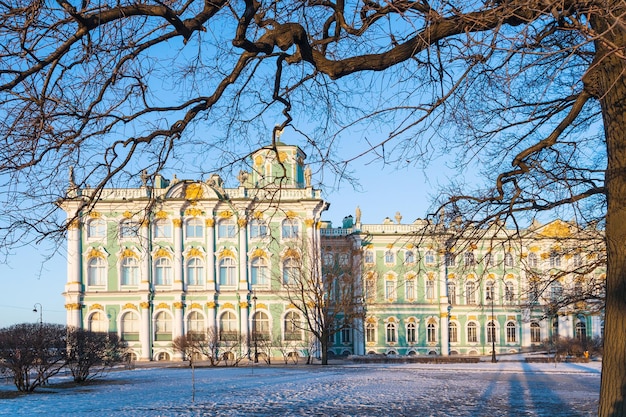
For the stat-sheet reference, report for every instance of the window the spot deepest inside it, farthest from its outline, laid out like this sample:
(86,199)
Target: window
(258,229)
(162,229)
(346,335)
(227,272)
(451,292)
(194,228)
(581,331)
(96,229)
(163,326)
(409,257)
(535,333)
(292,326)
(469,259)
(195,323)
(508,260)
(344,259)
(511,332)
(129,229)
(258,271)
(228,326)
(98,323)
(163,272)
(390,257)
(489,292)
(450,259)
(509,292)
(195,271)
(226,229)
(411,336)
(369,257)
(409,288)
(96,272)
(130,271)
(130,327)
(261,326)
(532,260)
(370,288)
(430,289)
(431,333)
(452,332)
(290,229)
(470,292)
(556,291)
(429,257)
(472,333)
(390,289)
(488,259)
(370,333)
(290,271)
(392,333)
(555,260)
(577,260)
(329,259)
(491,332)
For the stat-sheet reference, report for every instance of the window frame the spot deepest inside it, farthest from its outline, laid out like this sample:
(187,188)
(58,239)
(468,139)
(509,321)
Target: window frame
(194,229)
(227,271)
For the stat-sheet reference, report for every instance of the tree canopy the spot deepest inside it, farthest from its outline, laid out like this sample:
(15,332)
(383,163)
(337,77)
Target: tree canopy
(531,92)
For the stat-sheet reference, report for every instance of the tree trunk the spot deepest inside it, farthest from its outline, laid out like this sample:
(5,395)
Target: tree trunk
(324,340)
(611,89)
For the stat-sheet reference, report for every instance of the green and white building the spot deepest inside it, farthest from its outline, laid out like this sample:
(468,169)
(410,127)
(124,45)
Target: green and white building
(158,261)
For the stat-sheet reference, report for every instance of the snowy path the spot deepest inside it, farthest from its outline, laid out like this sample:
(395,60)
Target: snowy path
(485,389)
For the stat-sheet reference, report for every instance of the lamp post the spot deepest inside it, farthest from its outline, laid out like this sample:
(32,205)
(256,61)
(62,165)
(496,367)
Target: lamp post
(254,336)
(40,312)
(492,329)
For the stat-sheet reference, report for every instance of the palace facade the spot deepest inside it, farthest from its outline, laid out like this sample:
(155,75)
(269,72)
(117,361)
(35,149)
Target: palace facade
(158,261)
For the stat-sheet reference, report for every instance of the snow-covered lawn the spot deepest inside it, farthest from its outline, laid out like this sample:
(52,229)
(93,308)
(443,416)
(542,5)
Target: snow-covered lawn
(483,389)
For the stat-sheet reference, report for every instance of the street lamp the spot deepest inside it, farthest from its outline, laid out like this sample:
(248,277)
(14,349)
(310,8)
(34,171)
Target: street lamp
(492,328)
(254,336)
(40,312)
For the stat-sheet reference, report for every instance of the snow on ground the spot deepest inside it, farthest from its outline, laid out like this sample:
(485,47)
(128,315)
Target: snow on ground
(483,389)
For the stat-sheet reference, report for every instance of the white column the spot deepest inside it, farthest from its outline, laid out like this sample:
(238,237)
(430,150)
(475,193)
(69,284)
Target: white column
(445,337)
(144,332)
(525,328)
(178,255)
(178,326)
(243,255)
(144,272)
(212,323)
(244,320)
(444,314)
(596,326)
(73,287)
(210,251)
(565,326)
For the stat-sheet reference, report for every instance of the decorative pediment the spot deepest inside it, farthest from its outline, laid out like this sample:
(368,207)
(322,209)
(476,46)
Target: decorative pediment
(556,229)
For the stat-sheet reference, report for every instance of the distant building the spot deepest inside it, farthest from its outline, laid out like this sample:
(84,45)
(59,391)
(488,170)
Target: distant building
(156,262)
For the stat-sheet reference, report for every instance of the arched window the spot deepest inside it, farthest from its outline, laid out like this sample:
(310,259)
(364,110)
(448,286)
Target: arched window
(409,257)
(226,229)
(292,326)
(508,260)
(450,259)
(429,257)
(194,228)
(370,332)
(581,331)
(411,333)
(328,259)
(129,229)
(291,271)
(259,274)
(96,229)
(261,326)
(130,326)
(228,326)
(162,229)
(392,333)
(555,260)
(532,260)
(390,257)
(290,229)
(195,271)
(195,323)
(96,272)
(163,271)
(130,271)
(431,333)
(535,332)
(452,332)
(163,326)
(258,229)
(469,259)
(491,331)
(489,292)
(511,332)
(509,292)
(451,292)
(472,332)
(227,272)
(98,323)
(470,292)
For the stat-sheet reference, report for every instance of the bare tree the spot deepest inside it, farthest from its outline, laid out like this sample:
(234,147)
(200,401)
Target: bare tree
(529,92)
(92,354)
(33,353)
